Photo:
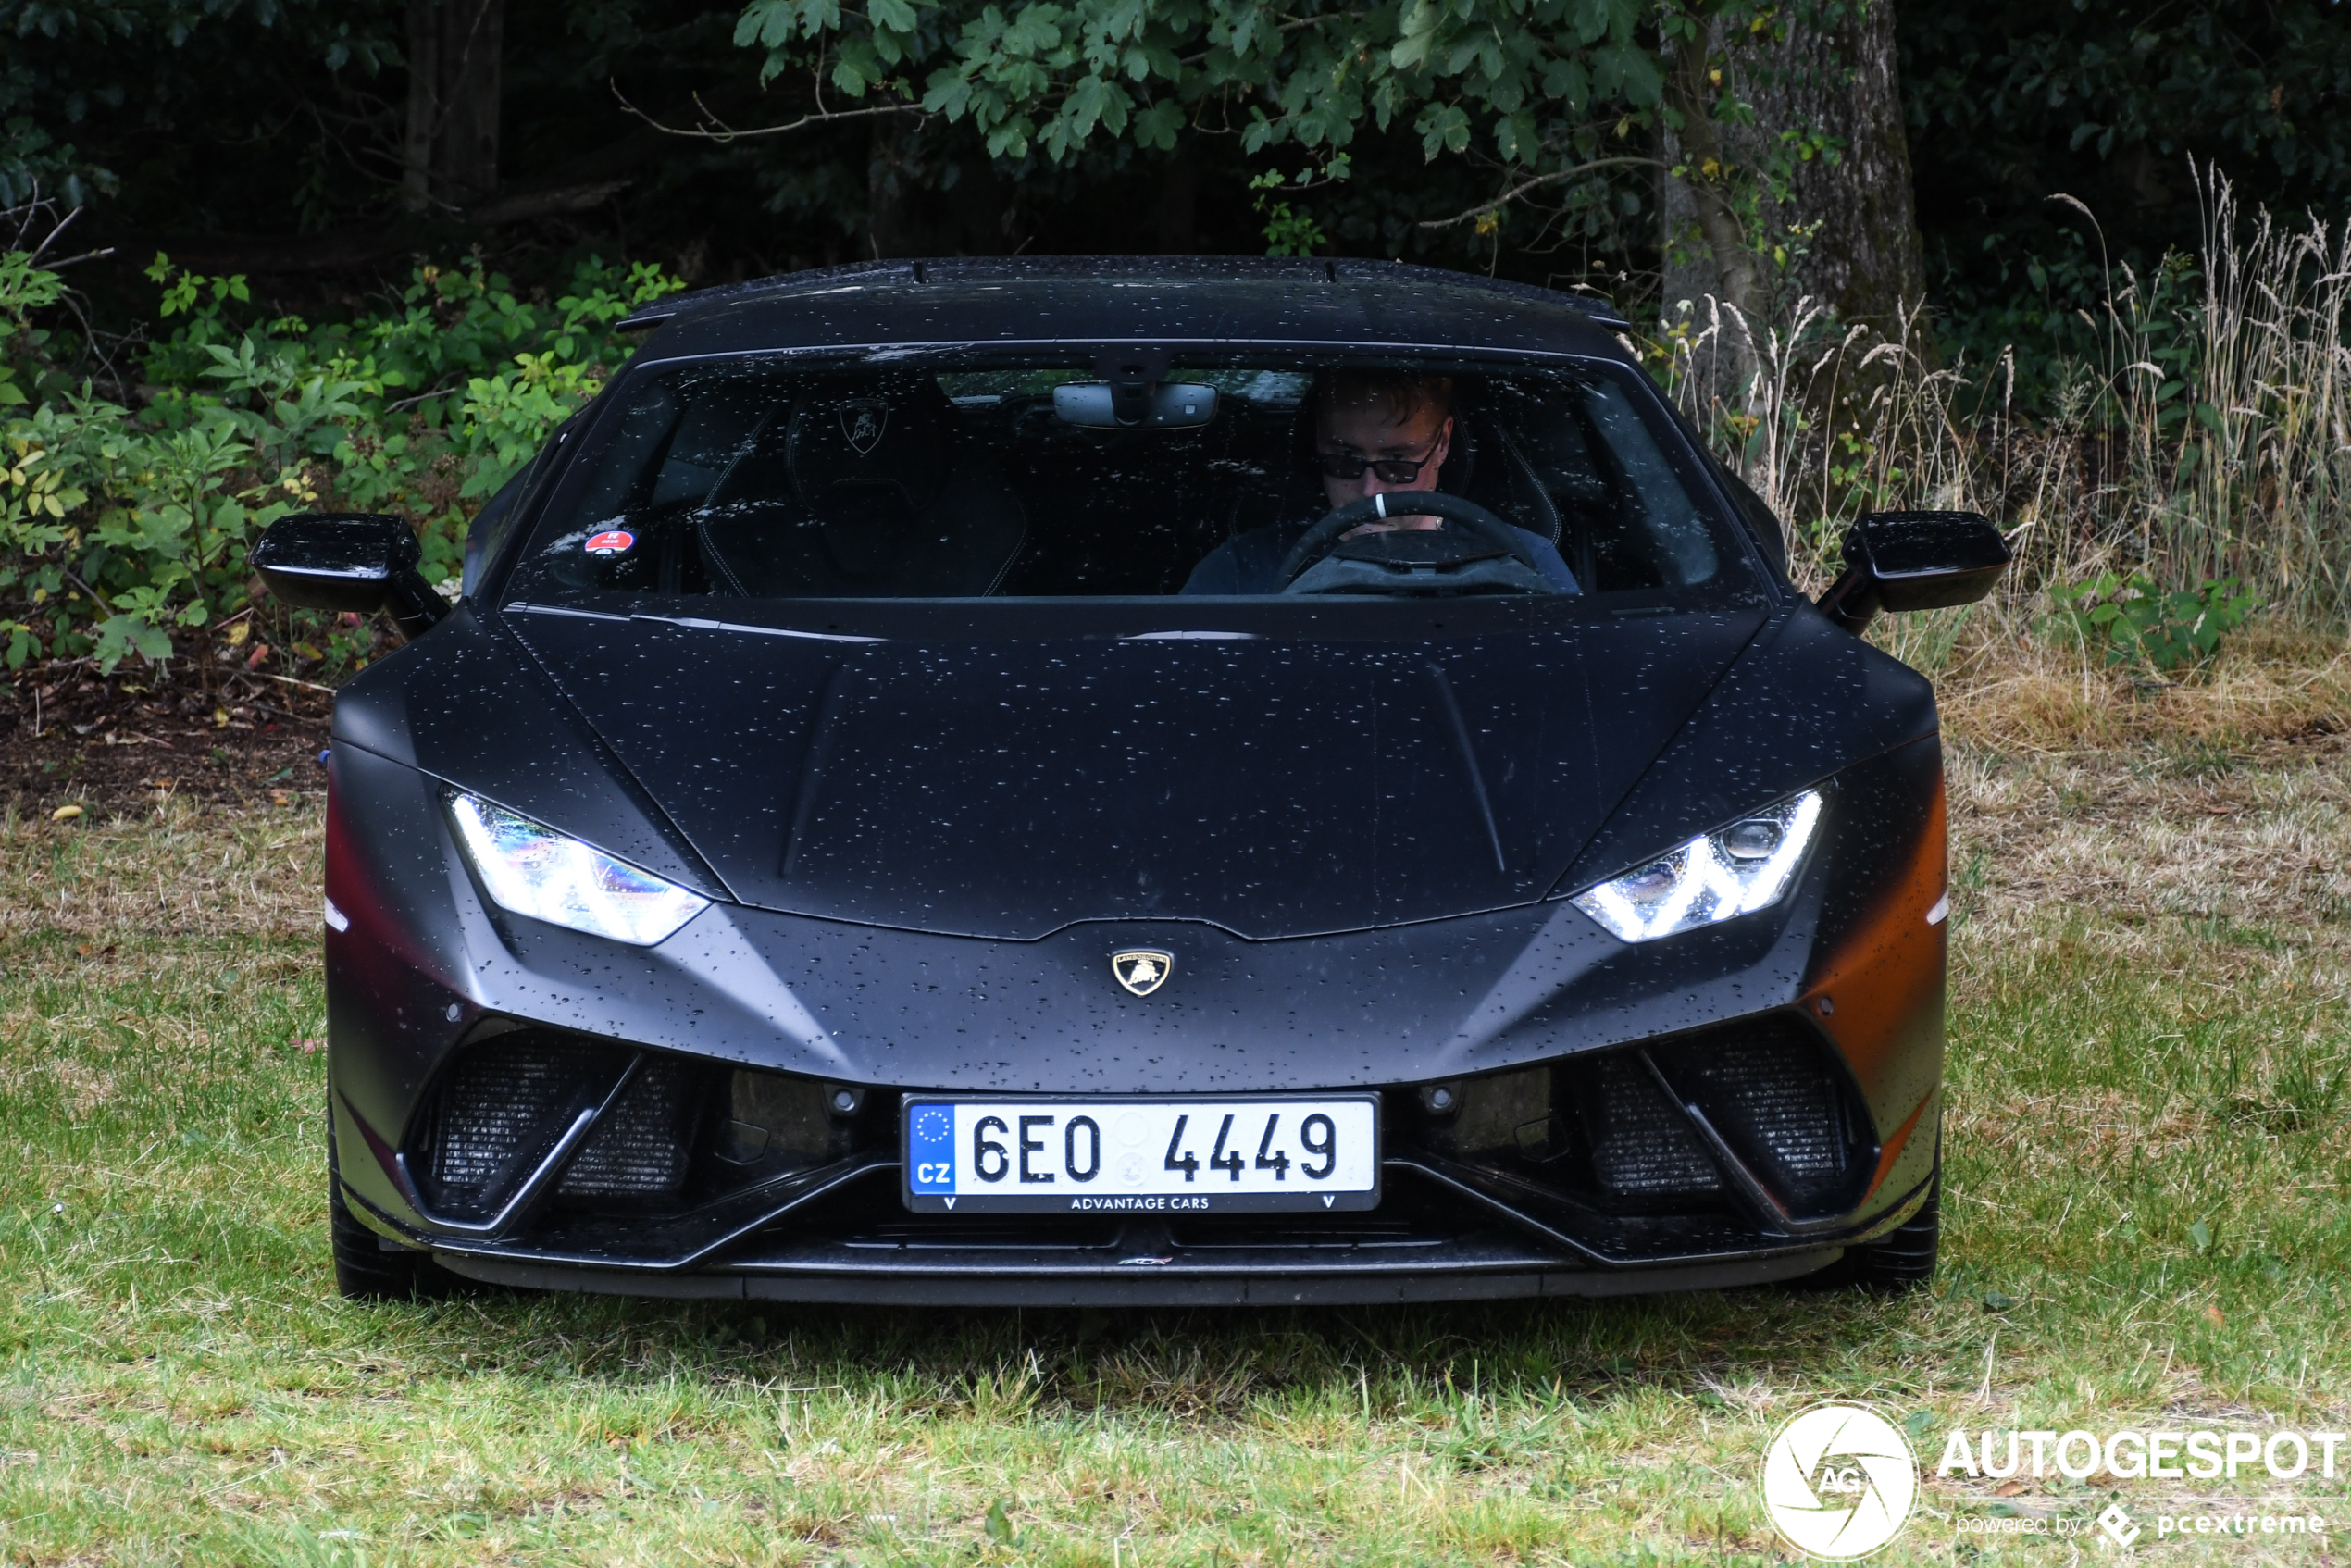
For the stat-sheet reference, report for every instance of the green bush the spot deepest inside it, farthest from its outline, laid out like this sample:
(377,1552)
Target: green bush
(119,527)
(2132,619)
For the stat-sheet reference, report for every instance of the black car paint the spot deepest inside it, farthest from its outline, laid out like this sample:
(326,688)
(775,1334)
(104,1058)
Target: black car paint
(871,1003)
(1009,785)
(765,760)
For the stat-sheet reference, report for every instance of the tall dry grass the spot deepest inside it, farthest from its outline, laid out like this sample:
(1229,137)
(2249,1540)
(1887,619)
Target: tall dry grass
(2210,437)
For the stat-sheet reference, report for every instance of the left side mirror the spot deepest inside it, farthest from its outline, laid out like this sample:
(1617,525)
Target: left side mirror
(1897,561)
(350,562)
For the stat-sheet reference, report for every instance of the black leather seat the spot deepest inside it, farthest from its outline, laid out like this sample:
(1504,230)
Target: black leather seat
(862,491)
(1485,465)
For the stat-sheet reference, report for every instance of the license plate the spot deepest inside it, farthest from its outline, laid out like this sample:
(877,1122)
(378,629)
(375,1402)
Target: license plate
(1142,1156)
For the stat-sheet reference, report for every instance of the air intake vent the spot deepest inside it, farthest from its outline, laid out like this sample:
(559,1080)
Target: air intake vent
(1642,1145)
(656,1133)
(639,1150)
(1601,1128)
(505,1102)
(1771,1092)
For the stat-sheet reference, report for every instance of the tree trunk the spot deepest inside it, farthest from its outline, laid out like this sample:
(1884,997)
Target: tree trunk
(894,171)
(1861,254)
(1710,259)
(1178,216)
(450,146)
(1723,261)
(1848,227)
(424,103)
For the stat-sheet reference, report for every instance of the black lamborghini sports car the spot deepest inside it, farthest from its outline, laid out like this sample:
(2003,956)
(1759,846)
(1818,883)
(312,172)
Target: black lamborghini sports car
(1132,781)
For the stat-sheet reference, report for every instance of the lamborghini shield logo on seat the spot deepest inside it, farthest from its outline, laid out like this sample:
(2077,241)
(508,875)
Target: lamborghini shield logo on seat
(1141,970)
(863,421)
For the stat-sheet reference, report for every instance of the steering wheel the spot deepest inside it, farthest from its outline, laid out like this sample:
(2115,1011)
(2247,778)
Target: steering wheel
(1324,537)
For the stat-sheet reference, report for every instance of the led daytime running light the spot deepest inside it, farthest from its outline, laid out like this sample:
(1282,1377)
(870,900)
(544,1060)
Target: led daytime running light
(537,872)
(1714,877)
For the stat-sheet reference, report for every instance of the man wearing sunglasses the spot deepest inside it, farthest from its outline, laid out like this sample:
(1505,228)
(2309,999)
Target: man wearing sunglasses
(1375,432)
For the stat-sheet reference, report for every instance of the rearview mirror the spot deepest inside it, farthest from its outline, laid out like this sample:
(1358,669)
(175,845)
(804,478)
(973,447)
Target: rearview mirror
(349,562)
(1167,405)
(1897,561)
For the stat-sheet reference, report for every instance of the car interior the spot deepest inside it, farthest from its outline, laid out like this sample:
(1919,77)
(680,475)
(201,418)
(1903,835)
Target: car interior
(904,482)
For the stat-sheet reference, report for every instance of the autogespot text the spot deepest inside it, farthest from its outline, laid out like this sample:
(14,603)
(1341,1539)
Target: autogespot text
(2134,1455)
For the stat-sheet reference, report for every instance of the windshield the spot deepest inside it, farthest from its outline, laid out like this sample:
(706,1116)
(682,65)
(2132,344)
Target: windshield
(766,478)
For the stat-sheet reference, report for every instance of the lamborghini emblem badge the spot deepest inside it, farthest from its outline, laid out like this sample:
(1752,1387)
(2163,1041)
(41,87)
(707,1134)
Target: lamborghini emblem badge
(1141,970)
(863,421)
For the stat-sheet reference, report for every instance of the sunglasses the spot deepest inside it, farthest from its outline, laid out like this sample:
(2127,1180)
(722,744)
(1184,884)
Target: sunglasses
(1391,470)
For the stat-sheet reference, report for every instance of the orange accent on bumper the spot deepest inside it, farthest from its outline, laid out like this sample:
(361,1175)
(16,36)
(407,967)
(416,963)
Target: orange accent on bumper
(1891,965)
(1901,1140)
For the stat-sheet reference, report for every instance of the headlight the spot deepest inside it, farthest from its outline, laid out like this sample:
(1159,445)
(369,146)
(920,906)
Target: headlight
(1736,871)
(536,871)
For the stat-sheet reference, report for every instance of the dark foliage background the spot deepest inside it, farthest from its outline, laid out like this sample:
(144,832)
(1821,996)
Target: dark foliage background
(264,137)
(400,234)
(2011,102)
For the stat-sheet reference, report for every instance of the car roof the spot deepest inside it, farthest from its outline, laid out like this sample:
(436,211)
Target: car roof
(984,301)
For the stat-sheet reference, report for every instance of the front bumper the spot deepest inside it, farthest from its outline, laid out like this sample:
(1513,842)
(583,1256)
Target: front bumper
(1737,1155)
(1607,1138)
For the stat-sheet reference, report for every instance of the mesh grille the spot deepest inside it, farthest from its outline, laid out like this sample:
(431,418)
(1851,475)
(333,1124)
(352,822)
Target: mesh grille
(1602,1127)
(1769,1094)
(499,1102)
(1642,1145)
(639,1149)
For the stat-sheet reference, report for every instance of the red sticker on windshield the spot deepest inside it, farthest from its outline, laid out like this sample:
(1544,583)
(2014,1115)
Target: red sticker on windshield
(612,542)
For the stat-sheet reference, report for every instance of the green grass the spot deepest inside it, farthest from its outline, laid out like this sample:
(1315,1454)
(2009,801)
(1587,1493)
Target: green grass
(2148,1157)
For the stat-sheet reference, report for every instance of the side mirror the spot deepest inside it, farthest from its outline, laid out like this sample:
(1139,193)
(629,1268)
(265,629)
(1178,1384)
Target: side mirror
(349,562)
(1897,561)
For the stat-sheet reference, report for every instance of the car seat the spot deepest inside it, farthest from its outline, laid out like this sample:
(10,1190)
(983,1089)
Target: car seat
(862,492)
(1486,467)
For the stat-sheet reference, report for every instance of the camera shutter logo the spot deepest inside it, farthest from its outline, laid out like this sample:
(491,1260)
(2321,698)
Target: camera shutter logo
(1838,1481)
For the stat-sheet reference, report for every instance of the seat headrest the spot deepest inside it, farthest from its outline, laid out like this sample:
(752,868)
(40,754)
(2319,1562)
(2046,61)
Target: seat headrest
(857,441)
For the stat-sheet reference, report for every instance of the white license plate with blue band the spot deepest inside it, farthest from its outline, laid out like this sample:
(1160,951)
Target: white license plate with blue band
(1142,1156)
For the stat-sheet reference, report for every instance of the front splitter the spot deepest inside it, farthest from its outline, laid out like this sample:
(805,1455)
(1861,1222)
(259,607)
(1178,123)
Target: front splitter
(1173,1282)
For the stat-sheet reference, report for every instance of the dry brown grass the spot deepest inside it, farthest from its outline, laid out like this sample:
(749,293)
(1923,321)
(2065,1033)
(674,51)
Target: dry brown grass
(2190,845)
(183,869)
(2257,838)
(2272,684)
(2224,799)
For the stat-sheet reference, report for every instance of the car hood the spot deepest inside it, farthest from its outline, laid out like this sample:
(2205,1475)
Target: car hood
(1010,788)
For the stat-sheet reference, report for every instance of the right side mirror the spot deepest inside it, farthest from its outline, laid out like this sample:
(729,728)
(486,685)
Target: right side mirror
(350,562)
(1897,561)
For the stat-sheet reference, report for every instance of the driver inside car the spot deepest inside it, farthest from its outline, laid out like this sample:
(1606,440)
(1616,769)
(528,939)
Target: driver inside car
(1375,432)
